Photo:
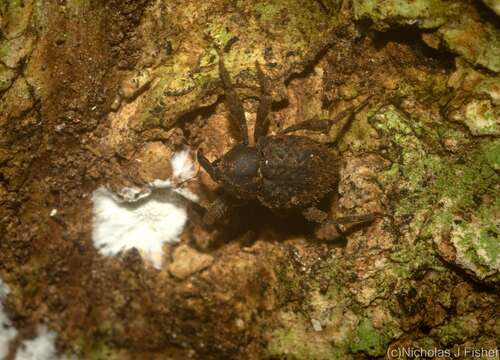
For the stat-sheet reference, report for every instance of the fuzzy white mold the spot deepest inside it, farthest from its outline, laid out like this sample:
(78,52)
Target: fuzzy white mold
(42,347)
(148,219)
(4,291)
(7,331)
(182,165)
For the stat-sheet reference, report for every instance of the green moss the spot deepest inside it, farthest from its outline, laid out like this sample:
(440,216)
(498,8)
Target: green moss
(288,32)
(16,16)
(13,51)
(460,182)
(458,330)
(267,10)
(288,281)
(297,340)
(175,81)
(369,340)
(492,155)
(435,189)
(295,336)
(30,274)
(220,33)
(361,137)
(410,260)
(479,239)
(426,13)
(439,189)
(95,348)
(482,118)
(425,343)
(338,311)
(393,172)
(39,16)
(299,22)
(430,177)
(416,165)
(475,39)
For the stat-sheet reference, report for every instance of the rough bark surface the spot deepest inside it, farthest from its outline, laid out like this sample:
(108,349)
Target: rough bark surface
(88,87)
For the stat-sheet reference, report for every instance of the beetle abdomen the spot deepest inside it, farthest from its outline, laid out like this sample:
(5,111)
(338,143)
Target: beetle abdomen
(295,170)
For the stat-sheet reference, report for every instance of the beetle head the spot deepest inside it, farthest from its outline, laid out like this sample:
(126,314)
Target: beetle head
(237,171)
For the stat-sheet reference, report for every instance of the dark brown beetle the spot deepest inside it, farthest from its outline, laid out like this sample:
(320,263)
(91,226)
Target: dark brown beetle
(282,171)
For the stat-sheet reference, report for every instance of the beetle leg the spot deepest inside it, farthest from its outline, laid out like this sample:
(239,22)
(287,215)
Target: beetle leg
(236,111)
(353,219)
(314,124)
(195,213)
(316,215)
(265,100)
(218,210)
(323,125)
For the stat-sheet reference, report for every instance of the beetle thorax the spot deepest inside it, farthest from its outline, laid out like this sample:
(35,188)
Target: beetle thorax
(238,169)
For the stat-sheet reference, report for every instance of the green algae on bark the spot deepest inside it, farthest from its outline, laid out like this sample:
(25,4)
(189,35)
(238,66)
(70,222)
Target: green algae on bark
(437,173)
(17,42)
(344,313)
(456,197)
(14,51)
(434,193)
(371,341)
(476,100)
(459,25)
(436,178)
(16,16)
(284,36)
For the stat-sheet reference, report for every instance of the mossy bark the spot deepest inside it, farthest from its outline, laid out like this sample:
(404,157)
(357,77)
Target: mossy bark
(85,86)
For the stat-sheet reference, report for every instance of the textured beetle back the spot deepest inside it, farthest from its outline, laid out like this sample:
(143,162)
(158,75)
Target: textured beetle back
(296,171)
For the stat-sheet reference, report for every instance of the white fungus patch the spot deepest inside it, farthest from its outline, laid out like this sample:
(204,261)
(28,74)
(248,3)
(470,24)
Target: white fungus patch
(42,347)
(182,166)
(147,219)
(4,291)
(131,194)
(7,331)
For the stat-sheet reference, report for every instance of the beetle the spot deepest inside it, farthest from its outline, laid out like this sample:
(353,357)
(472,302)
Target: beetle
(282,171)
